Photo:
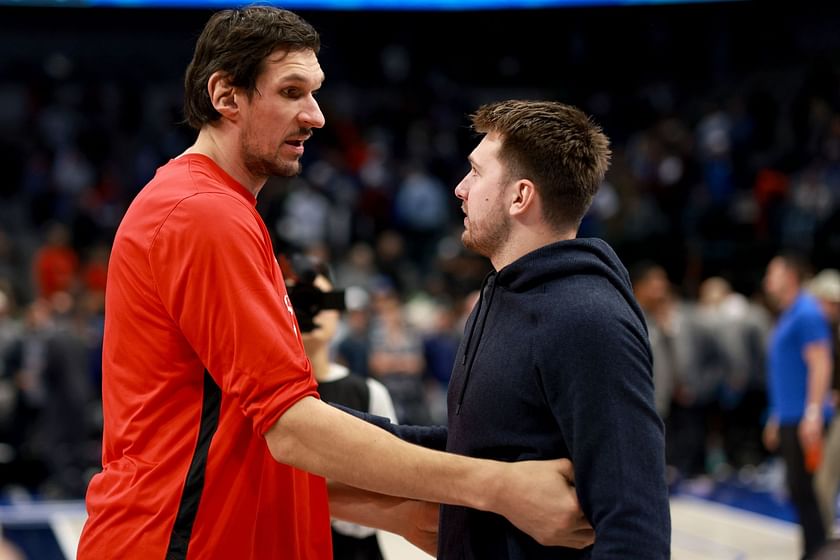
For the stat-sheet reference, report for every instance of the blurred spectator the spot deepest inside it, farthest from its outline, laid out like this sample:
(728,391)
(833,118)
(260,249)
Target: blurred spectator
(825,286)
(52,424)
(741,328)
(95,269)
(25,365)
(691,367)
(358,268)
(652,290)
(91,328)
(306,219)
(422,211)
(799,375)
(393,263)
(440,345)
(396,358)
(10,334)
(66,415)
(353,347)
(56,262)
(10,328)
(14,277)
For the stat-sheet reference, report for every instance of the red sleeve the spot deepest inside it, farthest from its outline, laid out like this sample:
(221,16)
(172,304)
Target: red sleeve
(216,274)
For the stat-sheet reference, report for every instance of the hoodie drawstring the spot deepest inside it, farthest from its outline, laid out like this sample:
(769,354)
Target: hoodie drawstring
(478,315)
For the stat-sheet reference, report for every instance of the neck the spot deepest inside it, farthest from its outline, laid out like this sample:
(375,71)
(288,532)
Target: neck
(525,240)
(217,144)
(320,360)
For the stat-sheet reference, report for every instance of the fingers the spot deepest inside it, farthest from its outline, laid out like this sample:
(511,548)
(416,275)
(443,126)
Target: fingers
(583,538)
(427,542)
(566,469)
(428,518)
(579,538)
(547,507)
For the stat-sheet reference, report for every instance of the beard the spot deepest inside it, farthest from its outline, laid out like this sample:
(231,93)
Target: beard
(488,236)
(268,167)
(261,164)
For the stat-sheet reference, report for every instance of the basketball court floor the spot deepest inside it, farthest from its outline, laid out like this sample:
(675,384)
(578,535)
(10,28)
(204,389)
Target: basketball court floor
(711,520)
(702,530)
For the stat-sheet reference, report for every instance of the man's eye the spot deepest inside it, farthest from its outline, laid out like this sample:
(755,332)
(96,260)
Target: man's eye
(291,92)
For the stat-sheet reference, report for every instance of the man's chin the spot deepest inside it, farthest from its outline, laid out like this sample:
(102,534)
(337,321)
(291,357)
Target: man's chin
(468,243)
(290,169)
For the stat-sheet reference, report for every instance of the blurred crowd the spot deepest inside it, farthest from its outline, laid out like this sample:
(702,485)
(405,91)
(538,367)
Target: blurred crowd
(706,183)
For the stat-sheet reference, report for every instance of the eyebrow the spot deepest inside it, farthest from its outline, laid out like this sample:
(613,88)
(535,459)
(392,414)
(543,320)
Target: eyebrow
(473,162)
(295,77)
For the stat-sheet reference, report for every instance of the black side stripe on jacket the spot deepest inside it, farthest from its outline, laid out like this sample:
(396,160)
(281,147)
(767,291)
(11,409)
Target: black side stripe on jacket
(194,484)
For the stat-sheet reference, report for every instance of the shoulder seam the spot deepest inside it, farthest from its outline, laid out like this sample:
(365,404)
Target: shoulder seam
(175,207)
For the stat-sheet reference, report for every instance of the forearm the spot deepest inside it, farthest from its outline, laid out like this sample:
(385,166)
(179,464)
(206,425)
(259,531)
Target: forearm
(318,438)
(819,360)
(366,508)
(416,521)
(534,495)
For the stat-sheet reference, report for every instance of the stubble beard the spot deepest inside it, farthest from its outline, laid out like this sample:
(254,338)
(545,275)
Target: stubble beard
(264,166)
(490,238)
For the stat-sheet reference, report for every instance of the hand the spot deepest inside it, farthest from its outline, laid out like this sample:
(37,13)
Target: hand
(810,430)
(540,499)
(770,437)
(414,520)
(420,524)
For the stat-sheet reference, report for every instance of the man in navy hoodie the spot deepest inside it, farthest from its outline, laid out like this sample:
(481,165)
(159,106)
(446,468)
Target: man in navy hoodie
(555,361)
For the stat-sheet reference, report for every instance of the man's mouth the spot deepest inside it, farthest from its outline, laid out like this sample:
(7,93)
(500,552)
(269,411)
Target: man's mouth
(297,141)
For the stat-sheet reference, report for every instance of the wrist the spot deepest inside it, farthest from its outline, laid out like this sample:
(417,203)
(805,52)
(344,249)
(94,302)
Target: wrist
(493,485)
(813,412)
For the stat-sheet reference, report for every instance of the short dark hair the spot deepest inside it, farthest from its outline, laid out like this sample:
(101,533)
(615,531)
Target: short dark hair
(237,42)
(641,270)
(796,262)
(554,145)
(308,267)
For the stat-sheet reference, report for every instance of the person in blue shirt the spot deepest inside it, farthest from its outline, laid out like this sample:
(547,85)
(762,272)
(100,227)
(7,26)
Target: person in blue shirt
(799,363)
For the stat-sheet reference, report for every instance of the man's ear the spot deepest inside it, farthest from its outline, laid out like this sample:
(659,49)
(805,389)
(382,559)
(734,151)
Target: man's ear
(222,94)
(525,197)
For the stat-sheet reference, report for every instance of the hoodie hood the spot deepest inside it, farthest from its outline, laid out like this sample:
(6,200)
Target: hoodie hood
(587,256)
(562,259)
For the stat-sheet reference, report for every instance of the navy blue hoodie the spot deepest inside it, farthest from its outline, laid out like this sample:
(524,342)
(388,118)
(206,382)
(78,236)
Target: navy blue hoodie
(555,363)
